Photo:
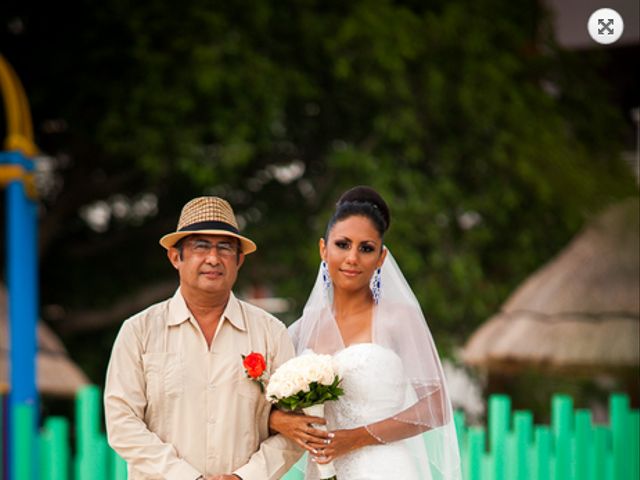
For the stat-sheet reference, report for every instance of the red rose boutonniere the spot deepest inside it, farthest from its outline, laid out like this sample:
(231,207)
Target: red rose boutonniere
(255,365)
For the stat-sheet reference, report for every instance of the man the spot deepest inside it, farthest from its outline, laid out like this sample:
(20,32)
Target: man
(179,404)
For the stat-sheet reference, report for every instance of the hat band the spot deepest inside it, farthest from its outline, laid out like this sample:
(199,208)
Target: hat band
(211,225)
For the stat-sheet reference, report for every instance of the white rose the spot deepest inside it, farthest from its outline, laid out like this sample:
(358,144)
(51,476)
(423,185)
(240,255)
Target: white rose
(298,373)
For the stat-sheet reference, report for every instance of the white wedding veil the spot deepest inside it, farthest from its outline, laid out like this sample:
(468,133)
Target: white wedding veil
(399,325)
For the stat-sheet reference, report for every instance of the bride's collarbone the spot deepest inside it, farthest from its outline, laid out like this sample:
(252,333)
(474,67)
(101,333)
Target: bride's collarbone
(355,332)
(355,328)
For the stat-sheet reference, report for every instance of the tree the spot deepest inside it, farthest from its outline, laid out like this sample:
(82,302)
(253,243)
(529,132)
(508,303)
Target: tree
(464,114)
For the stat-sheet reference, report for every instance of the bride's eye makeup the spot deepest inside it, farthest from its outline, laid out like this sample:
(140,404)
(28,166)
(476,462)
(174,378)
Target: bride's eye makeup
(367,248)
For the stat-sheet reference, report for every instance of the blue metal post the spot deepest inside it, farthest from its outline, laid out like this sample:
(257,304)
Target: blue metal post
(22,275)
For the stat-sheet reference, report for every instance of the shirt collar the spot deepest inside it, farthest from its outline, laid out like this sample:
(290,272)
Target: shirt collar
(179,312)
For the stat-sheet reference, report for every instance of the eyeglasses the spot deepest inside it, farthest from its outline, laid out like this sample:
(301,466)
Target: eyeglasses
(203,247)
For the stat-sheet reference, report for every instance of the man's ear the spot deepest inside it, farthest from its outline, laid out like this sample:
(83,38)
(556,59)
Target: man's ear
(173,254)
(240,259)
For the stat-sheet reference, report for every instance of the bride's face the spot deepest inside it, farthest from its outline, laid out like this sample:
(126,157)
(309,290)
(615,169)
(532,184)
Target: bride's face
(353,251)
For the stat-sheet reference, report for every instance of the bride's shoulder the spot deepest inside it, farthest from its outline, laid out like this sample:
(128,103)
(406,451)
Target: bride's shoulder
(398,308)
(395,315)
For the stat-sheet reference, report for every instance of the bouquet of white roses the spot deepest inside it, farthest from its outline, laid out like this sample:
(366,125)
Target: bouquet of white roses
(305,383)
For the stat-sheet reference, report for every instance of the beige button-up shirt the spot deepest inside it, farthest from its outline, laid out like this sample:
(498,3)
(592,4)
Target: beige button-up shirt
(176,409)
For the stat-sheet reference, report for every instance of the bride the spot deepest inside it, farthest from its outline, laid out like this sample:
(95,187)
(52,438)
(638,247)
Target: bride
(394,419)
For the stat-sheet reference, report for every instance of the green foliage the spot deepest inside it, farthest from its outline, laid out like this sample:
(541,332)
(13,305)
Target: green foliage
(317,394)
(490,144)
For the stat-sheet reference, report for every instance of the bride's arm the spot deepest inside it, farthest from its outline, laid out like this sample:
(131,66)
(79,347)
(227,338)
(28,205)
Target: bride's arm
(426,414)
(298,428)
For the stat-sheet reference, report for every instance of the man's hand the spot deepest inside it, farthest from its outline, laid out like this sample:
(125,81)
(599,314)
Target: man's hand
(222,477)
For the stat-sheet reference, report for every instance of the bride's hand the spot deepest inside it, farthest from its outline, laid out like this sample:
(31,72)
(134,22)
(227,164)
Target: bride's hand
(297,427)
(343,442)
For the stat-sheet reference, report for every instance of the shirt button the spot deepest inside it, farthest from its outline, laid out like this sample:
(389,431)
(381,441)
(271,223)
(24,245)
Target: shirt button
(211,386)
(211,421)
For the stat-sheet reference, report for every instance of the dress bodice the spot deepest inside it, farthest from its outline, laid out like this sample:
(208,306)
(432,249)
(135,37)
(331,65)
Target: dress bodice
(375,388)
(374,385)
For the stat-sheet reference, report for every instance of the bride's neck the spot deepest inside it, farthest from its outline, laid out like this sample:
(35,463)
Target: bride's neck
(349,304)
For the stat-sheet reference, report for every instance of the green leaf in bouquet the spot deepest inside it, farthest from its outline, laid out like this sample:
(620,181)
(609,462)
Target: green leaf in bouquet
(317,393)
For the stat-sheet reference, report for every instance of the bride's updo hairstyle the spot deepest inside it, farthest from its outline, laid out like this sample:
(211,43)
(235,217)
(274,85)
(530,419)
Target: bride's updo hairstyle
(365,202)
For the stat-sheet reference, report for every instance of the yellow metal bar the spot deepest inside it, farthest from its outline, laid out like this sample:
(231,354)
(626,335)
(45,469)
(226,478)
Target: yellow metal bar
(26,126)
(19,142)
(19,125)
(10,173)
(11,103)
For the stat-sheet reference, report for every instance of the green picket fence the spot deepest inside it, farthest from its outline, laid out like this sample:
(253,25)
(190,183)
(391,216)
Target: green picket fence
(511,447)
(571,448)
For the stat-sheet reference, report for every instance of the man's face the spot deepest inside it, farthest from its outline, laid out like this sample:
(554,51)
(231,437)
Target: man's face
(209,264)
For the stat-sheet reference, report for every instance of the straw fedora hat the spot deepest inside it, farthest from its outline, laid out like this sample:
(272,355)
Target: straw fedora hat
(207,216)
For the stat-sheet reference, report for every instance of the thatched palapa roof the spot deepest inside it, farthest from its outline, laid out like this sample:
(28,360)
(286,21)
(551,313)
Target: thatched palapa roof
(57,375)
(580,312)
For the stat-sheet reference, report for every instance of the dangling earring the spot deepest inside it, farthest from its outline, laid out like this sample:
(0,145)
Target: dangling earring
(326,279)
(376,285)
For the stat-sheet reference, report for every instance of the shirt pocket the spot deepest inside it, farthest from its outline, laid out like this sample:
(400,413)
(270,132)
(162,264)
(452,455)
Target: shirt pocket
(249,406)
(164,376)
(248,391)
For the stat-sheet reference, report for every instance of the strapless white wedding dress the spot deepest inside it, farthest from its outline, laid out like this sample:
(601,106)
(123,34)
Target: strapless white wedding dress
(375,388)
